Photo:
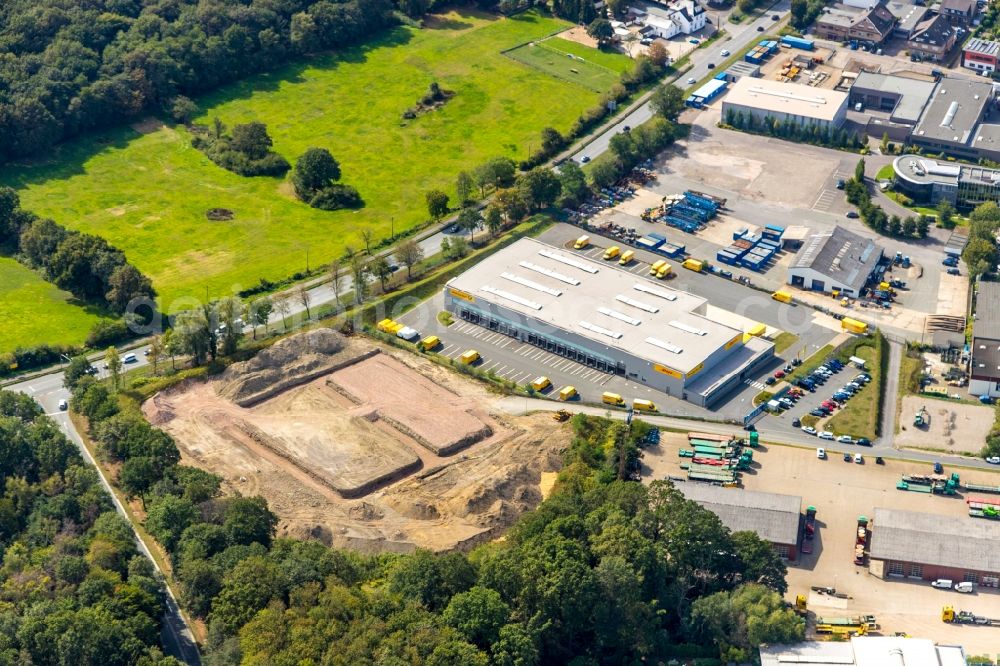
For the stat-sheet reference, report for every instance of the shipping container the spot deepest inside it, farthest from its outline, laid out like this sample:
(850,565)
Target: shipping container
(659,237)
(740,233)
(799,43)
(726,258)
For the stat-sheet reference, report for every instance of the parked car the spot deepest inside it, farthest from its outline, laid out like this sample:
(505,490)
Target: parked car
(845,439)
(775,17)
(938,468)
(691,81)
(852,215)
(710,65)
(809,430)
(841,184)
(725,53)
(760,28)
(821,453)
(863,441)
(796,423)
(840,396)
(950,260)
(63,405)
(847,457)
(817,412)
(954,271)
(993,460)
(770,381)
(586,158)
(826,434)
(779,374)
(859,459)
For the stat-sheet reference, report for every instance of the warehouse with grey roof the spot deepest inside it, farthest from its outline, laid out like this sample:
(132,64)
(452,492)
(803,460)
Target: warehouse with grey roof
(923,546)
(773,517)
(837,260)
(607,318)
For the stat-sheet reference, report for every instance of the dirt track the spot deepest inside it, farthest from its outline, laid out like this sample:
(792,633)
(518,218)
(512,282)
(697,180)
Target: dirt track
(358,457)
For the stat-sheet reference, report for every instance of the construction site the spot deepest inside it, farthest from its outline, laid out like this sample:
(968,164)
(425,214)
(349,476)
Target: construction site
(363,446)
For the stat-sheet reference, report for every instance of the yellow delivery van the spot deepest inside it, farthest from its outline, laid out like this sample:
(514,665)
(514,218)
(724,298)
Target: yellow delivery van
(567,392)
(782,296)
(430,342)
(469,357)
(640,405)
(627,257)
(664,271)
(612,399)
(696,265)
(612,252)
(581,242)
(656,266)
(541,383)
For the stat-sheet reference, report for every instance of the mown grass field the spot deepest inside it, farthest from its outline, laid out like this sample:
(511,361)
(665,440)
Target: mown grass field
(571,61)
(34,311)
(146,190)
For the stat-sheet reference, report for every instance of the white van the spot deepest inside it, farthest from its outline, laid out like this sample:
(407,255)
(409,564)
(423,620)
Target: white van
(942,584)
(129,358)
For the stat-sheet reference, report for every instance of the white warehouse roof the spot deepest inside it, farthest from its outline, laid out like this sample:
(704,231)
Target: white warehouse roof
(791,98)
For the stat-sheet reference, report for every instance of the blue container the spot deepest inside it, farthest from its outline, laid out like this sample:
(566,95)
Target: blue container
(659,237)
(753,239)
(740,233)
(769,245)
(774,228)
(649,243)
(724,257)
(804,44)
(721,76)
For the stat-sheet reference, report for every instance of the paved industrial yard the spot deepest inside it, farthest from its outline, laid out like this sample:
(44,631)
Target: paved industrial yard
(841,492)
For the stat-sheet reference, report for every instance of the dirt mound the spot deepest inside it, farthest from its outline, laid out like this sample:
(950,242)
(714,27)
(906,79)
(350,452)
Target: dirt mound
(286,364)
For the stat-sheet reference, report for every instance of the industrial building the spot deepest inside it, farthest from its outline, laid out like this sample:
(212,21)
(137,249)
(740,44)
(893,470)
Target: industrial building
(838,260)
(607,318)
(923,546)
(981,55)
(740,69)
(928,181)
(864,651)
(953,120)
(901,97)
(773,517)
(786,102)
(984,367)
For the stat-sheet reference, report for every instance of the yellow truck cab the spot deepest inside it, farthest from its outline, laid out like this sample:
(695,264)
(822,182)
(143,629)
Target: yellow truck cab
(641,405)
(664,271)
(612,398)
(469,357)
(541,383)
(430,342)
(656,266)
(782,296)
(612,252)
(581,242)
(627,257)
(567,392)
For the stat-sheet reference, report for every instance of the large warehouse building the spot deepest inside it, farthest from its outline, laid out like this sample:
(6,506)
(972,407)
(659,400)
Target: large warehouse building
(774,517)
(607,318)
(787,102)
(923,546)
(864,651)
(835,260)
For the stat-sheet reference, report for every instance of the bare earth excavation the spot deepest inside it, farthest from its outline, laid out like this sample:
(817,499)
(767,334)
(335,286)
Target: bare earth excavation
(362,446)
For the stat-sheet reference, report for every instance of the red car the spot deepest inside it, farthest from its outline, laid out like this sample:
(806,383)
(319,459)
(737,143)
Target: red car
(779,374)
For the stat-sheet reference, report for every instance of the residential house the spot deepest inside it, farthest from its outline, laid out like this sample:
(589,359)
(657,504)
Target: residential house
(959,12)
(869,27)
(932,40)
(682,17)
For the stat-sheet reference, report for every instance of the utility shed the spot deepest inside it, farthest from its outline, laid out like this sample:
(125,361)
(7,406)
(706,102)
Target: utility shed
(837,259)
(924,546)
(774,517)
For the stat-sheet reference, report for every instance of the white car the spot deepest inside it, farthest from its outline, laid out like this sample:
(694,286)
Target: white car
(993,460)
(809,430)
(826,434)
(63,405)
(845,439)
(725,52)
(821,453)
(692,81)
(859,459)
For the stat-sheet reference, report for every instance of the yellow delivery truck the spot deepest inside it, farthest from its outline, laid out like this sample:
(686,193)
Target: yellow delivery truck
(656,266)
(567,392)
(641,405)
(541,383)
(581,242)
(612,253)
(469,357)
(430,342)
(627,257)
(782,296)
(696,265)
(612,399)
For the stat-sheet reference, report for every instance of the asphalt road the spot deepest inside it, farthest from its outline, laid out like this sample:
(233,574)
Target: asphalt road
(48,390)
(739,36)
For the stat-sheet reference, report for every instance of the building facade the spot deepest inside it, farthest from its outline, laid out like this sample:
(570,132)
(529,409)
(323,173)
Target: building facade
(838,260)
(928,181)
(953,121)
(984,364)
(960,13)
(870,27)
(922,546)
(608,319)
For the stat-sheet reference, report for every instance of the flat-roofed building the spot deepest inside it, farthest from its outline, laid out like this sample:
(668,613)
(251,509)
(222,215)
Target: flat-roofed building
(925,546)
(835,260)
(607,318)
(952,117)
(928,181)
(864,651)
(903,98)
(786,102)
(908,16)
(773,517)
(984,368)
(981,55)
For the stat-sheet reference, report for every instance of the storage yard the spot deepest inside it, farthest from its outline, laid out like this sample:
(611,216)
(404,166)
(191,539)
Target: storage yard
(349,443)
(841,492)
(952,426)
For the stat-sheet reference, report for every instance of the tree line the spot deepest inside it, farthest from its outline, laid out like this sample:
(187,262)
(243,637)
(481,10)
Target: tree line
(75,588)
(981,254)
(875,217)
(606,570)
(793,131)
(73,67)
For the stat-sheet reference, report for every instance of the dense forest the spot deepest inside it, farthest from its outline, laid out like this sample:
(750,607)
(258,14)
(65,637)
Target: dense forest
(68,66)
(604,571)
(73,588)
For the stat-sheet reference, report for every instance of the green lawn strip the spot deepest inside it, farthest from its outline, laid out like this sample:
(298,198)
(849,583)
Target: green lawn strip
(560,65)
(34,311)
(609,59)
(784,341)
(885,173)
(147,193)
(762,397)
(810,364)
(809,420)
(860,415)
